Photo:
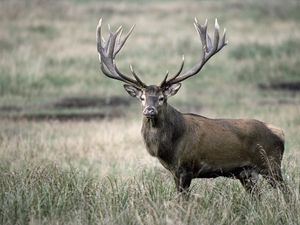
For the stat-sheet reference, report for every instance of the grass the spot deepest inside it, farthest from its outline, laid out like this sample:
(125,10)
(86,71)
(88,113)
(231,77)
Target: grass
(261,51)
(66,173)
(46,194)
(279,62)
(98,171)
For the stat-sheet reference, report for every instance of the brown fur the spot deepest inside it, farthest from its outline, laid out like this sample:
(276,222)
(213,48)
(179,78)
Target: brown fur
(192,146)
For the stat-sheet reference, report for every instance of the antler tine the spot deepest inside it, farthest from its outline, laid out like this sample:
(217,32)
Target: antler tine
(99,38)
(223,40)
(136,77)
(216,35)
(202,31)
(107,52)
(121,43)
(164,80)
(175,75)
(112,42)
(208,50)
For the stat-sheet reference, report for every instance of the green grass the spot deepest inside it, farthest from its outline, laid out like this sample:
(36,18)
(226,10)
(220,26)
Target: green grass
(98,171)
(255,51)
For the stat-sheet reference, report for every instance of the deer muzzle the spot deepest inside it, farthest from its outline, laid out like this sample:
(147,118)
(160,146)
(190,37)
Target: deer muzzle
(150,112)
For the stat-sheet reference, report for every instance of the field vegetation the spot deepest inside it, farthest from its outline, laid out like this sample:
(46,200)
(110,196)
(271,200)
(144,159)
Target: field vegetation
(70,145)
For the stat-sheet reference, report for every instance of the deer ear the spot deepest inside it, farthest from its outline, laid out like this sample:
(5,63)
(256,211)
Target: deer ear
(172,90)
(133,91)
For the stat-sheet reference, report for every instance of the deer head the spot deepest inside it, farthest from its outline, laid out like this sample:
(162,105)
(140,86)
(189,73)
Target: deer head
(153,97)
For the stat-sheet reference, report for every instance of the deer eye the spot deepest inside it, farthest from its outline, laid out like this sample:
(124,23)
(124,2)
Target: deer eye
(161,98)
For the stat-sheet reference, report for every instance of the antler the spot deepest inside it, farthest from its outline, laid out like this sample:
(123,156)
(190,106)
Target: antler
(107,52)
(209,49)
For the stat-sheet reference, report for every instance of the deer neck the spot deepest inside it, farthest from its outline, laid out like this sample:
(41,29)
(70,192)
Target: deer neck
(162,133)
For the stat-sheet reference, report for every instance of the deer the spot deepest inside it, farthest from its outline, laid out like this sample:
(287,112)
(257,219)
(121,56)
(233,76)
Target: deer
(189,145)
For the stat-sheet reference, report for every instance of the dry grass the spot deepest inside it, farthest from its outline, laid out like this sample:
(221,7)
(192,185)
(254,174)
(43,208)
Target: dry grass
(91,173)
(89,145)
(98,172)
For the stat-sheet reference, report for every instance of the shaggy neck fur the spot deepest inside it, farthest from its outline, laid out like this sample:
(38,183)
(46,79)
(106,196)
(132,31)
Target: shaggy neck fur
(161,134)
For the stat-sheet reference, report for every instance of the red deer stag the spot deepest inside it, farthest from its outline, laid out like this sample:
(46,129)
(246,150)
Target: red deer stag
(192,146)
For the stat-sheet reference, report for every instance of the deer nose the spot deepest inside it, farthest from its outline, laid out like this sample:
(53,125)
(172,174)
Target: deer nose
(150,111)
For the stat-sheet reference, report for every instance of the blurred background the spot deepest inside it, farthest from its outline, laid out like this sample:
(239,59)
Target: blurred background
(49,64)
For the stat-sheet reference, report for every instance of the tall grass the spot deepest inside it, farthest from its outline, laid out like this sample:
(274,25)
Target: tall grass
(83,173)
(44,194)
(98,172)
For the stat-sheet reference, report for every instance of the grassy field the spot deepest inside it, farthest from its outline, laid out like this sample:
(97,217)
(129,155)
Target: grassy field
(70,145)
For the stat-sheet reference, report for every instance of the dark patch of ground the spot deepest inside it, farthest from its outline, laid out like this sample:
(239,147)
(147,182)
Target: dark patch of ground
(282,86)
(65,117)
(10,109)
(291,101)
(88,102)
(73,108)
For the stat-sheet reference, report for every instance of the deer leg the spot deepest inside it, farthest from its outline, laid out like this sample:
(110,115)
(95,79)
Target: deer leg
(248,179)
(274,177)
(183,181)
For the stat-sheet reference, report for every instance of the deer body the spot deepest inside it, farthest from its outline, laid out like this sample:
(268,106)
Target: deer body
(192,146)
